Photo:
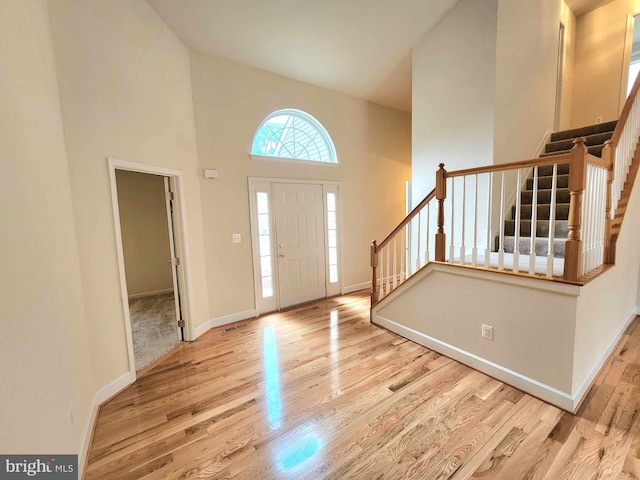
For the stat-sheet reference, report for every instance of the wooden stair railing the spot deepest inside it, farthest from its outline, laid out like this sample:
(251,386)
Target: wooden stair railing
(599,190)
(393,261)
(624,158)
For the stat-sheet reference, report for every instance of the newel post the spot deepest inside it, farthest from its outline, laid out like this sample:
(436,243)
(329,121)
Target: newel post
(441,194)
(577,183)
(609,154)
(374,272)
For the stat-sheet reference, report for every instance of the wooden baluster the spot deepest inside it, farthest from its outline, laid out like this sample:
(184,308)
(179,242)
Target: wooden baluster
(552,221)
(452,253)
(487,251)
(374,268)
(474,250)
(608,153)
(387,270)
(517,217)
(441,194)
(586,217)
(501,237)
(463,250)
(395,262)
(381,273)
(402,254)
(573,246)
(428,228)
(534,223)
(418,241)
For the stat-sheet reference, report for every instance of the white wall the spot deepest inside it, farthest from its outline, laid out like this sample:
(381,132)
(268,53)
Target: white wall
(145,232)
(44,350)
(606,303)
(373,147)
(125,92)
(454,88)
(526,74)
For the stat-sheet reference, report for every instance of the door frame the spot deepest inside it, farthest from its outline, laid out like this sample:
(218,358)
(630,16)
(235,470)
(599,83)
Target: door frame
(261,184)
(181,245)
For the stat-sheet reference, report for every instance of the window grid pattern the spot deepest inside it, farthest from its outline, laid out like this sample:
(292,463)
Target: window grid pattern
(264,239)
(293,134)
(332,235)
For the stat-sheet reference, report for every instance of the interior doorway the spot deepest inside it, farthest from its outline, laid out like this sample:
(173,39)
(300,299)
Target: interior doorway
(559,78)
(149,244)
(634,61)
(295,238)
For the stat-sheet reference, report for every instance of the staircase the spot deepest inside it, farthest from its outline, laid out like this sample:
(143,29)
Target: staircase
(560,143)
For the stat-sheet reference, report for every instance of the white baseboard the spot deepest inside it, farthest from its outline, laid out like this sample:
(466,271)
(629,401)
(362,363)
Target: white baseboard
(582,390)
(527,384)
(101,396)
(223,320)
(148,294)
(356,287)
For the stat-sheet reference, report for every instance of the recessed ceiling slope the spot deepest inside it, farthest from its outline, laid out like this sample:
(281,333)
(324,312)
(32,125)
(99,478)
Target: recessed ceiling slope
(358,47)
(580,7)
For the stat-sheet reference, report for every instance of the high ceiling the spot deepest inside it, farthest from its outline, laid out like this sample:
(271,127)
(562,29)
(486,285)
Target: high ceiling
(358,47)
(580,7)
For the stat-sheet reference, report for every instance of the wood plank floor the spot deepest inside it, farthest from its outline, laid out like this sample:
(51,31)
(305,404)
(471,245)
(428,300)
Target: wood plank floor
(319,392)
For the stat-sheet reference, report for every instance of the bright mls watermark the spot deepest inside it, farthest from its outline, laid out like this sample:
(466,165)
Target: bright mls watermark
(52,467)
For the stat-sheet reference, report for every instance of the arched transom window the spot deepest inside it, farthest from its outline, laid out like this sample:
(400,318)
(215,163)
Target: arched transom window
(293,134)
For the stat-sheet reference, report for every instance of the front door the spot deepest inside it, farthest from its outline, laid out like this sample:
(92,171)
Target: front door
(299,214)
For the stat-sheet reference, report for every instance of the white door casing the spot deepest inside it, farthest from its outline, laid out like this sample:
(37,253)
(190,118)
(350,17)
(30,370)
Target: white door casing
(265,243)
(300,239)
(175,270)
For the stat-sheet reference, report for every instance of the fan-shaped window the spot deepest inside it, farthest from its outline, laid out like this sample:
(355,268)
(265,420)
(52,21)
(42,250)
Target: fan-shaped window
(293,134)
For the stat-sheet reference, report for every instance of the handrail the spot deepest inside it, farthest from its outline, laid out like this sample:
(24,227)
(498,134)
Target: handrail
(534,162)
(407,219)
(592,231)
(624,115)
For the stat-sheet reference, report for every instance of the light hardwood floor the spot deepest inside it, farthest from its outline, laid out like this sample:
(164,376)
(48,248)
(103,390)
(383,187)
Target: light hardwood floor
(319,392)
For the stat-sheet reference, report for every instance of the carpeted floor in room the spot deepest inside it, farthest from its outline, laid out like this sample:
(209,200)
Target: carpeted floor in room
(154,327)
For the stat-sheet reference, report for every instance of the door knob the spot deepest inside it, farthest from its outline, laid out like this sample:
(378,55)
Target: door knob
(281,245)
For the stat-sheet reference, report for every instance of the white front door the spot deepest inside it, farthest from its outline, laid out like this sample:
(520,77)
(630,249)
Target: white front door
(299,215)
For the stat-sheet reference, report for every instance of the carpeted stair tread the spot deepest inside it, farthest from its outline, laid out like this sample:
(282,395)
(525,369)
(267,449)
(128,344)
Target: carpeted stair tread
(542,228)
(542,246)
(544,183)
(544,196)
(595,150)
(547,170)
(584,131)
(567,144)
(543,211)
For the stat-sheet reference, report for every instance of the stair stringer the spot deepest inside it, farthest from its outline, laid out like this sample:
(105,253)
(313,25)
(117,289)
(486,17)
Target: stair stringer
(443,307)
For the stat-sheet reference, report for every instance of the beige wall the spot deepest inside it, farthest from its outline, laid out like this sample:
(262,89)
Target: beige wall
(600,63)
(533,321)
(454,68)
(373,147)
(145,232)
(46,366)
(568,19)
(526,74)
(125,92)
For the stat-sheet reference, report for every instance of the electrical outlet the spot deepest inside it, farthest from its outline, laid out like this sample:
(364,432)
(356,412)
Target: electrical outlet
(598,120)
(236,238)
(487,332)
